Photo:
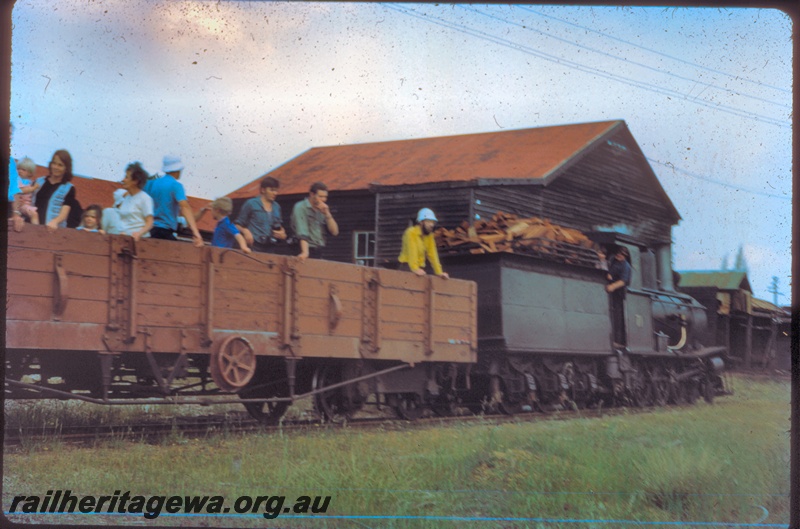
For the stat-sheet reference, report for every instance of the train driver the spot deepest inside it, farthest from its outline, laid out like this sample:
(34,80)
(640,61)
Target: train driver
(619,277)
(419,242)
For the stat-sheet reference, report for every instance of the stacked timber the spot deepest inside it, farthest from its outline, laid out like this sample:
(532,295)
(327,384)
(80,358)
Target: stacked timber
(506,232)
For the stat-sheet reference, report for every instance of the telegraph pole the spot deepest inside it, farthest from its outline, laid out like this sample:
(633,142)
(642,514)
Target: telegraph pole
(773,288)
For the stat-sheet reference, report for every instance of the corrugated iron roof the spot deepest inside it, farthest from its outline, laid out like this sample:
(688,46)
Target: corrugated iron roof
(101,192)
(514,154)
(721,279)
(766,306)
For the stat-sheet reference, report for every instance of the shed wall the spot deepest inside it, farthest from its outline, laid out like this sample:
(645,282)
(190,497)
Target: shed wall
(397,208)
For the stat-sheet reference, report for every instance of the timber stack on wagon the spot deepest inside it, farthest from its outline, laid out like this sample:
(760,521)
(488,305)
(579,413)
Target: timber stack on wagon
(507,232)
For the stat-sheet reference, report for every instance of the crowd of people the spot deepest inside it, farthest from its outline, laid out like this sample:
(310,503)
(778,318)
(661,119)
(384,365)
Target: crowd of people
(152,206)
(155,206)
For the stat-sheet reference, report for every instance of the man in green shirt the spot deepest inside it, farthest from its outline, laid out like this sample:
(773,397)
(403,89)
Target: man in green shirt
(311,218)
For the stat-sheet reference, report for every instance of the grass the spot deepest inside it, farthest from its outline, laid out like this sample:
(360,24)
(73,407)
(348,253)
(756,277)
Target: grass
(726,462)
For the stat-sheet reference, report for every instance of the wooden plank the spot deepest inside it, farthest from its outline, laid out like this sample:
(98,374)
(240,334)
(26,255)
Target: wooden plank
(246,320)
(318,289)
(168,295)
(459,334)
(43,261)
(391,297)
(452,303)
(452,287)
(227,259)
(324,346)
(263,282)
(253,301)
(330,271)
(448,318)
(59,241)
(54,335)
(168,251)
(393,279)
(452,353)
(41,309)
(168,273)
(320,308)
(315,325)
(161,316)
(413,332)
(410,315)
(39,284)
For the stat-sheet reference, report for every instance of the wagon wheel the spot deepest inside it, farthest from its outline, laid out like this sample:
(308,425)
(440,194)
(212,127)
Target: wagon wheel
(267,413)
(233,364)
(332,406)
(444,405)
(408,406)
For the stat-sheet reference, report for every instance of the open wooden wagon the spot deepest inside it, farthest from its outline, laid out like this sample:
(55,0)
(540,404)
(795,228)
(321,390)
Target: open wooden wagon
(110,320)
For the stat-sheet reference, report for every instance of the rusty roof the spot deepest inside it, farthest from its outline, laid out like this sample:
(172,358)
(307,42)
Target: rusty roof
(101,192)
(720,279)
(514,154)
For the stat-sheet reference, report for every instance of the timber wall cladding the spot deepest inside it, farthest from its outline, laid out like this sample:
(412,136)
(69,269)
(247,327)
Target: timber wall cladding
(608,187)
(168,284)
(32,272)
(396,209)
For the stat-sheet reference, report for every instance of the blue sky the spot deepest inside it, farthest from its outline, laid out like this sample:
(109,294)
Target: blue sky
(238,89)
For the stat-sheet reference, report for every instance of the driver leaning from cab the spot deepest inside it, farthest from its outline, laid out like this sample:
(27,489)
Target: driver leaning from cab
(419,243)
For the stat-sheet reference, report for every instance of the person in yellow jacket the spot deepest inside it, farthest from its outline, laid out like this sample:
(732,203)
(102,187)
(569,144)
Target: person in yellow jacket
(419,243)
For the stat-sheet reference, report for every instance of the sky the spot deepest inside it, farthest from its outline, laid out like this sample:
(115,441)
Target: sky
(239,88)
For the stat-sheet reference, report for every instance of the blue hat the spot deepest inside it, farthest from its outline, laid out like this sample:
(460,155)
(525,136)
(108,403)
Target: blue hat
(171,164)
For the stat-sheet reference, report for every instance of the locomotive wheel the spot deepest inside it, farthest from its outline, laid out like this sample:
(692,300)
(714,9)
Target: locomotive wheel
(408,406)
(331,406)
(267,413)
(708,390)
(233,364)
(506,402)
(641,390)
(661,387)
(444,405)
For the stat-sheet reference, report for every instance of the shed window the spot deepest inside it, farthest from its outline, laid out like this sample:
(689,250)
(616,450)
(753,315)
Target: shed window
(364,248)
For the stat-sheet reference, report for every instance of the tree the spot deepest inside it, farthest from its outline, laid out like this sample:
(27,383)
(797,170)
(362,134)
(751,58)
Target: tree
(724,265)
(740,265)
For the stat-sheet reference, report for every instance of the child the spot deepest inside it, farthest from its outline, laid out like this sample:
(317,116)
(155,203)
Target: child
(226,233)
(91,219)
(28,186)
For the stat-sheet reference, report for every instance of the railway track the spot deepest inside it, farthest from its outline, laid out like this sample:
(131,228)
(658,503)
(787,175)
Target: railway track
(155,431)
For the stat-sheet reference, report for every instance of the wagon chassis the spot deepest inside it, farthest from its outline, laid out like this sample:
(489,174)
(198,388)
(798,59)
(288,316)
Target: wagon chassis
(173,397)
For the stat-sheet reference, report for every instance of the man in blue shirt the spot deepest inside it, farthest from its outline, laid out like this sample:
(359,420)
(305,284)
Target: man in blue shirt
(619,277)
(260,220)
(169,200)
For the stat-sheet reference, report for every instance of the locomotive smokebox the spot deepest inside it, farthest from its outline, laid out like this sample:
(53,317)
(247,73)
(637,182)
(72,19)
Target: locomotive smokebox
(680,317)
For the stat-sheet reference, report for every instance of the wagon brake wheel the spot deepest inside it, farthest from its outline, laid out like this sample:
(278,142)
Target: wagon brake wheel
(233,364)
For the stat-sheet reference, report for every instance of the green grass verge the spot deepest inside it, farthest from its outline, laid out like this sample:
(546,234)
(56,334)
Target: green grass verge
(726,462)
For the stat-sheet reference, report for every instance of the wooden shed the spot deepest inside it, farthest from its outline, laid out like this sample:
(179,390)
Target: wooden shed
(754,331)
(590,176)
